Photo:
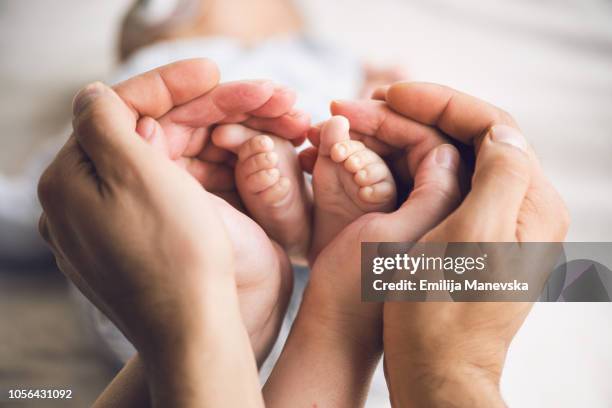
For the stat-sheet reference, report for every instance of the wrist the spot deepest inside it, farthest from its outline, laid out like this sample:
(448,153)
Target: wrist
(197,364)
(452,384)
(359,328)
(176,321)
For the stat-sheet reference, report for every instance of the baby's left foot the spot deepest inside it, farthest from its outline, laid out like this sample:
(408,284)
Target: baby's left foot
(349,180)
(271,185)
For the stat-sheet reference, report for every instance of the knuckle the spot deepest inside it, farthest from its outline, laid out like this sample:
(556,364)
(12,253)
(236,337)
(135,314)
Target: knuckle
(563,219)
(373,228)
(47,187)
(88,122)
(504,117)
(43,228)
(505,167)
(464,229)
(439,191)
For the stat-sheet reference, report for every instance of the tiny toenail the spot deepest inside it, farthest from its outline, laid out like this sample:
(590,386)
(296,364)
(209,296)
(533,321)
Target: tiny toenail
(341,150)
(356,161)
(368,190)
(362,174)
(265,142)
(271,157)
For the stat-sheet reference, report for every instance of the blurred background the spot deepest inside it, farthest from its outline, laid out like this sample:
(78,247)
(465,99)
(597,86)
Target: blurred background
(547,62)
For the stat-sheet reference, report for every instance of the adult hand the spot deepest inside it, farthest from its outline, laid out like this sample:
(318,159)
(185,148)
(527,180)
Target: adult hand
(336,340)
(126,225)
(263,271)
(453,353)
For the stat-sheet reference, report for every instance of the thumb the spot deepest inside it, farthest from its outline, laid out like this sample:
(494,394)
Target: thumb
(335,130)
(500,182)
(105,128)
(435,195)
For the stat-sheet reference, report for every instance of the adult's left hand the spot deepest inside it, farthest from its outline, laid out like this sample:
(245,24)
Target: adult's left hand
(125,225)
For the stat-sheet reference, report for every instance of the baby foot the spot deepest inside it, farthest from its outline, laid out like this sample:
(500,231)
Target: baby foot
(271,185)
(349,180)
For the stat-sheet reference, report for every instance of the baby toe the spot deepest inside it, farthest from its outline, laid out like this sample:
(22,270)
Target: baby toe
(276,194)
(360,159)
(232,136)
(261,180)
(258,162)
(333,131)
(255,145)
(377,193)
(371,174)
(340,151)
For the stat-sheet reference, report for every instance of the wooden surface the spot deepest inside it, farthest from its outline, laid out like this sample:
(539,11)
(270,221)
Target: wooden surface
(42,342)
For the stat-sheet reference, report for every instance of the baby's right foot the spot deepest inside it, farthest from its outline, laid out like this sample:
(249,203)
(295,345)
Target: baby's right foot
(349,180)
(271,184)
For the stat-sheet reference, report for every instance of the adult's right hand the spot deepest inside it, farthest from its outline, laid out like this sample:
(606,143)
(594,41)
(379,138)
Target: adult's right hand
(453,353)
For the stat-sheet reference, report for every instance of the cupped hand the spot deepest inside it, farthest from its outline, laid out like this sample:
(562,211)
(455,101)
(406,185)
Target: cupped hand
(263,271)
(333,323)
(125,225)
(158,94)
(463,345)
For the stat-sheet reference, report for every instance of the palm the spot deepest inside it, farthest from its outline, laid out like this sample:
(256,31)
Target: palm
(263,272)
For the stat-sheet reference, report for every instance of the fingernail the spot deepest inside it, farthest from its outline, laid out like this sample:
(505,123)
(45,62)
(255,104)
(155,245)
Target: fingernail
(145,128)
(86,96)
(447,156)
(338,102)
(508,135)
(340,149)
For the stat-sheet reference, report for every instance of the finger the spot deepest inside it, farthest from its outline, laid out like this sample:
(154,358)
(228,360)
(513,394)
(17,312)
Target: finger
(70,178)
(435,195)
(156,92)
(232,136)
(375,119)
(151,131)
(298,141)
(214,154)
(499,185)
(308,158)
(226,100)
(380,94)
(212,176)
(314,134)
(104,128)
(372,143)
(280,103)
(459,115)
(292,125)
(543,216)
